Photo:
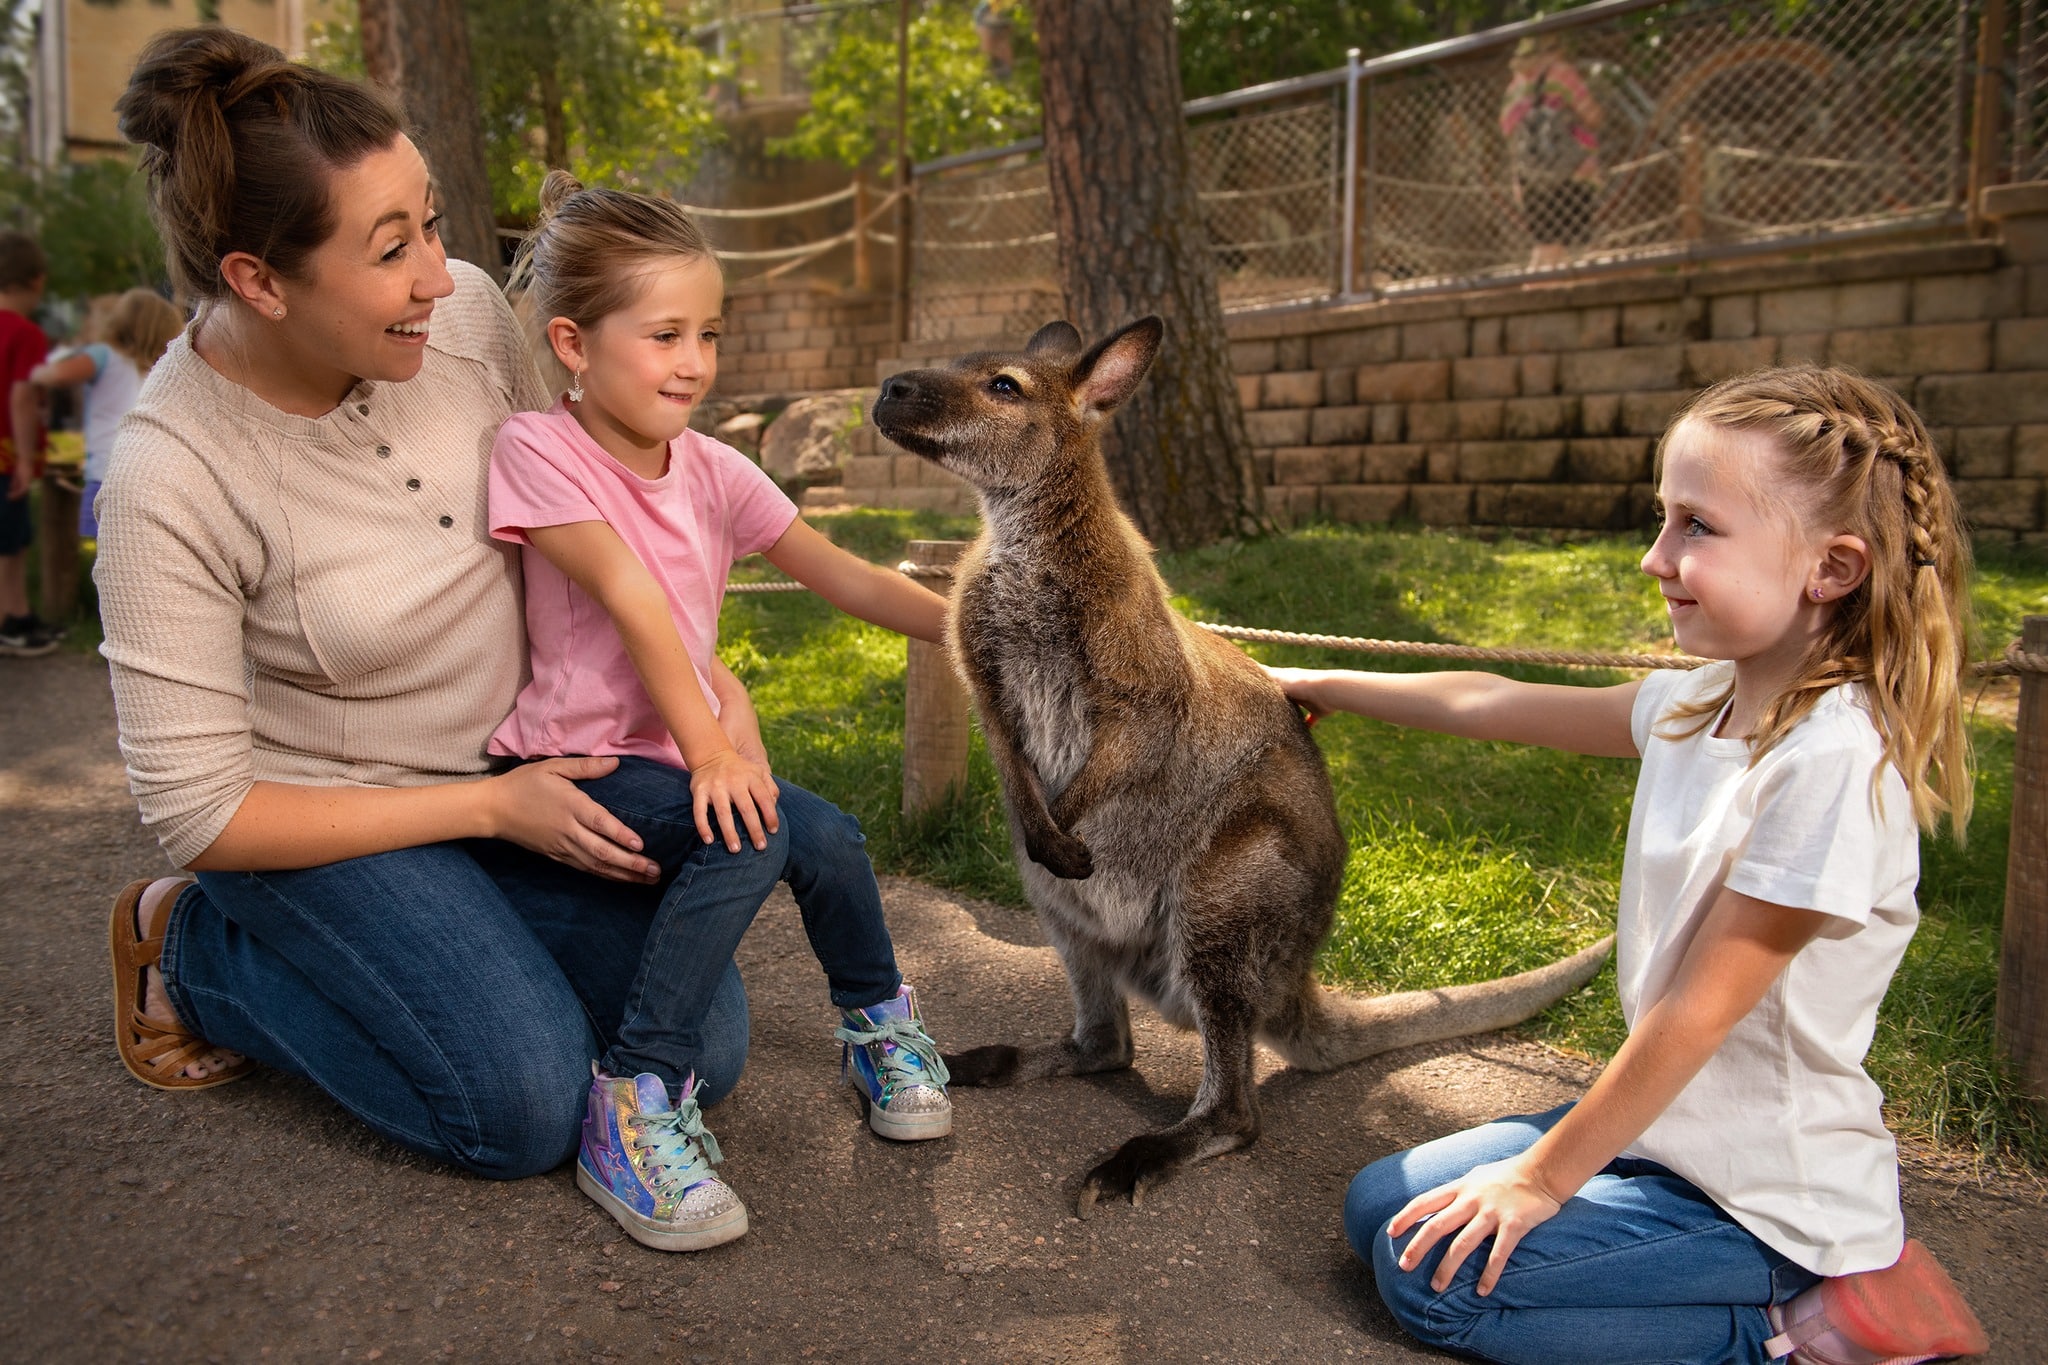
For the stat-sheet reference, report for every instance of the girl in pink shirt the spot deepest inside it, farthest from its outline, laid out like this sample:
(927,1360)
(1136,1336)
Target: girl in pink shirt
(628,523)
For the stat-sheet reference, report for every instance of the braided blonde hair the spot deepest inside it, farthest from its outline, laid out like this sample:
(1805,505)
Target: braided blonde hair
(1855,459)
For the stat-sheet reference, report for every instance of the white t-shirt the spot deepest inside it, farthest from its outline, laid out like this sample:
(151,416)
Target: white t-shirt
(108,395)
(1781,1127)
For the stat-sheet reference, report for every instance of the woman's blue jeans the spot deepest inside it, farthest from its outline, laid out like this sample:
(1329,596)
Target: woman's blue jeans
(1638,1267)
(452,996)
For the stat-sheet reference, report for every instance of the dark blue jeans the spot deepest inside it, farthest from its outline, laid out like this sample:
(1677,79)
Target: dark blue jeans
(1639,1268)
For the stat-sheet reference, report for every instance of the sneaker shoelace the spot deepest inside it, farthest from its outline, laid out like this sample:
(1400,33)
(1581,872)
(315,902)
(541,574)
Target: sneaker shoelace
(906,1056)
(682,1148)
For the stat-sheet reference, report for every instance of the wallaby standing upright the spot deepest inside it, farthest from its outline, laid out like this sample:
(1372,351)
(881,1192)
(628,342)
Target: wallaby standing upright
(1174,821)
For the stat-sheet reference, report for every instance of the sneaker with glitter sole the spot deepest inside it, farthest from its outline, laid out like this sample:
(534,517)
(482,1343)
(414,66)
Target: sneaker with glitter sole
(896,1069)
(647,1162)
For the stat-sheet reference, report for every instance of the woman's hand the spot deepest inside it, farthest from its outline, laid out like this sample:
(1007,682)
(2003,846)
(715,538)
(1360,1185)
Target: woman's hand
(1300,686)
(538,806)
(739,792)
(1502,1200)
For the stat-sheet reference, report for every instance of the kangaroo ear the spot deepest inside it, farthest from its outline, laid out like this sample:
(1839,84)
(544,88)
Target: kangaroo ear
(1054,336)
(1110,372)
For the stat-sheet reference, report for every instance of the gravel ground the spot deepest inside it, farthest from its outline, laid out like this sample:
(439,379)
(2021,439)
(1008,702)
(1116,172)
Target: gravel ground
(256,1222)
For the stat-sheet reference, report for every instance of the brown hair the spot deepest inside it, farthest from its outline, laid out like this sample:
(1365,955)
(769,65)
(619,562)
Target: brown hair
(22,262)
(239,145)
(1854,458)
(140,324)
(584,257)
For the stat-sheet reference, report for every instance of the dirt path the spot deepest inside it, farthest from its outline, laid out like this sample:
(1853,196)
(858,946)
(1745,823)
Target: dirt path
(256,1222)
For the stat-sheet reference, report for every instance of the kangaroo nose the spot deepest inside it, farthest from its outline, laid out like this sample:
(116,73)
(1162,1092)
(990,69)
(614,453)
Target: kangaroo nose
(896,386)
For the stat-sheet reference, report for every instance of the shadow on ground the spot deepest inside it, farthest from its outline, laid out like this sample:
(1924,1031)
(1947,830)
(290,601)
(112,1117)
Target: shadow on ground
(256,1222)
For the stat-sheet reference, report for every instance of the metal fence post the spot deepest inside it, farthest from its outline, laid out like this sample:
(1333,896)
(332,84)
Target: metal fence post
(1368,223)
(1347,282)
(2023,958)
(935,731)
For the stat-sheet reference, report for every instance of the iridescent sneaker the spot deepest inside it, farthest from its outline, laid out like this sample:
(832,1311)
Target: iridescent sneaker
(896,1069)
(648,1163)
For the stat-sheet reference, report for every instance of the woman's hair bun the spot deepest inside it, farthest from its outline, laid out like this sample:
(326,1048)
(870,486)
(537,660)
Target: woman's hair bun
(183,71)
(555,191)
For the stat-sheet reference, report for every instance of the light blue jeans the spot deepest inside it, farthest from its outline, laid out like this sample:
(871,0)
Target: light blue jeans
(1639,1268)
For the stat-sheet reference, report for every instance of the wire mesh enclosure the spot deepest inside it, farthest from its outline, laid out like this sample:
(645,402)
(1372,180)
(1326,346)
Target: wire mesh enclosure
(1619,132)
(2030,95)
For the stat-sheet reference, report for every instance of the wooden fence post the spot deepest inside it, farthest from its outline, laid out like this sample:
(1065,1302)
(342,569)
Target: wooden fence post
(934,703)
(57,546)
(2023,961)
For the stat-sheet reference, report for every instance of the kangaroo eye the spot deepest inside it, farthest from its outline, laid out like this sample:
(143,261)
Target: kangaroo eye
(1005,386)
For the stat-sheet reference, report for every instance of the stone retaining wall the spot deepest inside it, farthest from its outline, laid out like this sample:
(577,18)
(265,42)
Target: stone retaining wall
(786,340)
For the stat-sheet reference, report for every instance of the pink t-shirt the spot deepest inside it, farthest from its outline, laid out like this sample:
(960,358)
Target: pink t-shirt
(714,506)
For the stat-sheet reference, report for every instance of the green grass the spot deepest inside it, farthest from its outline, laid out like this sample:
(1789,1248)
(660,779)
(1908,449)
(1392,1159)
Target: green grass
(1467,859)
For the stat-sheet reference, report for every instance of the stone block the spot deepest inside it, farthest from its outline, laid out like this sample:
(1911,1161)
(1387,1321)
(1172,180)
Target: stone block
(1803,348)
(1558,329)
(2000,504)
(1340,387)
(908,471)
(1290,507)
(1253,357)
(1292,354)
(2021,344)
(2007,396)
(1599,413)
(1709,362)
(1283,427)
(1248,392)
(1873,303)
(1611,459)
(1440,462)
(1539,375)
(1393,464)
(1509,461)
(1291,389)
(1939,348)
(1525,418)
(1491,377)
(1298,465)
(1262,467)
(1981,453)
(1955,298)
(1599,328)
(1364,503)
(1782,311)
(1650,324)
(2037,290)
(1592,507)
(1642,505)
(1412,381)
(870,471)
(1339,426)
(2030,452)
(1447,339)
(1621,369)
(1368,346)
(1647,414)
(1386,423)
(1732,317)
(1478,420)
(1441,504)
(1431,421)
(1487,336)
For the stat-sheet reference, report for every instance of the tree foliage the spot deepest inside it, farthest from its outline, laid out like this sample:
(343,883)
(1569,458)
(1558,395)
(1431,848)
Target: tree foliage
(92,220)
(956,103)
(611,90)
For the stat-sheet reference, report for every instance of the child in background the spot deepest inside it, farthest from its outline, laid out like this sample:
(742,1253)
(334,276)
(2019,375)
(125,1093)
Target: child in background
(1726,1190)
(23,270)
(126,339)
(629,522)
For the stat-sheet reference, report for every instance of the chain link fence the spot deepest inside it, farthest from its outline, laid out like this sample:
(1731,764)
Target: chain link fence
(2030,94)
(1625,131)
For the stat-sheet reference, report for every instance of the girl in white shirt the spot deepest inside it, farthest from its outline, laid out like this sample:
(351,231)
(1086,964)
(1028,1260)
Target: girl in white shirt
(1726,1190)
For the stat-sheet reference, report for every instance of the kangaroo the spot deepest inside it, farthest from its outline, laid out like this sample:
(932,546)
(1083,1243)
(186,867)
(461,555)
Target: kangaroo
(1173,820)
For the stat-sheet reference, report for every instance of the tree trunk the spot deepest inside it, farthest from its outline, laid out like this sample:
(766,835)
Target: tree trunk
(1132,242)
(420,48)
(554,120)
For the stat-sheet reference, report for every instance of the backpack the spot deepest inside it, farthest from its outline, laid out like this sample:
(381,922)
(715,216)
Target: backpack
(1544,147)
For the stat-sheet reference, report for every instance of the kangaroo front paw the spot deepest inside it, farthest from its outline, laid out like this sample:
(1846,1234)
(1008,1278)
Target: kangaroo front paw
(1137,1166)
(1062,855)
(995,1064)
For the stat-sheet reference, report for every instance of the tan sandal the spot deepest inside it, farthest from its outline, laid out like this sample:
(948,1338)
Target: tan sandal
(153,1053)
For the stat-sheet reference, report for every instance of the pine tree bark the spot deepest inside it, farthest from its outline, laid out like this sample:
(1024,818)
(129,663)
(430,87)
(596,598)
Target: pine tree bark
(1132,242)
(420,48)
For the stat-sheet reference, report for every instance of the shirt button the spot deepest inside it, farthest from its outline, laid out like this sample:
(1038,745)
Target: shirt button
(413,484)
(447,521)
(362,409)
(383,452)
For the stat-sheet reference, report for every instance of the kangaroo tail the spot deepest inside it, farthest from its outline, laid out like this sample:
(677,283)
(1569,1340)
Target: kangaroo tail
(1323,1029)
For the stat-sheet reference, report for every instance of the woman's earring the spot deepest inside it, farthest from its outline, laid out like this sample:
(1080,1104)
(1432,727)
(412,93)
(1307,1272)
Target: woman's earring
(277,312)
(576,387)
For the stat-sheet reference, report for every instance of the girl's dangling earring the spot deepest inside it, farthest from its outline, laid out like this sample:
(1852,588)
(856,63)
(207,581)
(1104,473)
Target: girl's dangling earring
(1816,594)
(576,387)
